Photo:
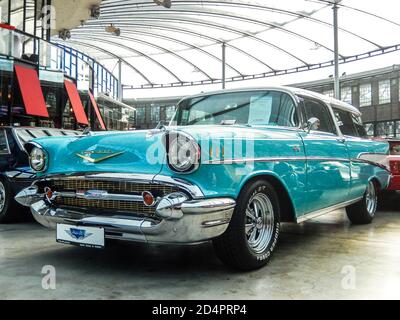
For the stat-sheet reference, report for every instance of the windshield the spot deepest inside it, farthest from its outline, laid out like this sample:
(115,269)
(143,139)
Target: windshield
(272,108)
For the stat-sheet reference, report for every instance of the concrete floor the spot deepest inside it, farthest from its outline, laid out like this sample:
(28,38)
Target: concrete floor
(325,258)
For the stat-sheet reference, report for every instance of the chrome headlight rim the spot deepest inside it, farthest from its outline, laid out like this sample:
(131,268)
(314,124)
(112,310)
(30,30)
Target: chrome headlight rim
(42,167)
(172,137)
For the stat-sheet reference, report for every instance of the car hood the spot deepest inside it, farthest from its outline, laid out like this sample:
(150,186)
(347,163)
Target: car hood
(139,152)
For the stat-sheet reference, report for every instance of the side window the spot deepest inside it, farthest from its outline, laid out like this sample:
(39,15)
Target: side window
(345,122)
(3,143)
(316,109)
(349,123)
(360,129)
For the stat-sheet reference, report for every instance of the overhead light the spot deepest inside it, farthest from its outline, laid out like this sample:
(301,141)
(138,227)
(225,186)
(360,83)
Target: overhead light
(64,34)
(165,3)
(113,30)
(95,12)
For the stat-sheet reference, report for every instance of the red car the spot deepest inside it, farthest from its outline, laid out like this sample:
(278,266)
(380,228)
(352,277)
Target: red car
(394,162)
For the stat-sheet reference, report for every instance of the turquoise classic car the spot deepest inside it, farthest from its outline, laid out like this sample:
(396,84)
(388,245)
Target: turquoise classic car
(231,167)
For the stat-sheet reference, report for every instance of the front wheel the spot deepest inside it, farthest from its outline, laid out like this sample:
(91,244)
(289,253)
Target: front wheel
(253,232)
(363,212)
(6,201)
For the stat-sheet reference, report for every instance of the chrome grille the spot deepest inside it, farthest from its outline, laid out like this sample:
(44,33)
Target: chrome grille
(110,186)
(74,185)
(112,205)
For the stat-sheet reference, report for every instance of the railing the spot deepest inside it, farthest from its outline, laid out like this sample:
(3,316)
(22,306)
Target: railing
(19,45)
(47,56)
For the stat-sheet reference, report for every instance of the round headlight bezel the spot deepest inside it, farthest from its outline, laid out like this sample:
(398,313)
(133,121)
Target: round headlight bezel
(36,154)
(176,141)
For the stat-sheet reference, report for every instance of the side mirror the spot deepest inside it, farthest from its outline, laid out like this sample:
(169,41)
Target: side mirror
(312,124)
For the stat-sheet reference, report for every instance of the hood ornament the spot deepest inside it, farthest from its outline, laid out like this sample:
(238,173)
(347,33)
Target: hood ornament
(98,156)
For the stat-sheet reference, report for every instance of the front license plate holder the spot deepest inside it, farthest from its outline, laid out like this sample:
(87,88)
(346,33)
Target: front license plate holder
(88,237)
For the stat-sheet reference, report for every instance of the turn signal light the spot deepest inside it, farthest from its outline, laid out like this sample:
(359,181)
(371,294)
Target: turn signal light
(48,193)
(148,199)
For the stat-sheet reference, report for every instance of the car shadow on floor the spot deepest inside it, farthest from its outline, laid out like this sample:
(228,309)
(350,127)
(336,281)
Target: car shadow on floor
(142,259)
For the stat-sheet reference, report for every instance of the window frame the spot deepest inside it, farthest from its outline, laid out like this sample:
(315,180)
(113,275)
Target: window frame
(326,106)
(294,97)
(350,88)
(380,99)
(360,101)
(336,108)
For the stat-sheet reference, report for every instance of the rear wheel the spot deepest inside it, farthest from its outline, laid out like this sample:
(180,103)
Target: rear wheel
(363,212)
(253,232)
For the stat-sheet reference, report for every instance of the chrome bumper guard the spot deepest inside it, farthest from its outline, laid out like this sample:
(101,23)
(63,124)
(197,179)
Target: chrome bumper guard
(179,220)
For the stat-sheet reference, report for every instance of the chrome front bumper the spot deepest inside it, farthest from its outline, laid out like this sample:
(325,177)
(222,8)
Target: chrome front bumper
(178,219)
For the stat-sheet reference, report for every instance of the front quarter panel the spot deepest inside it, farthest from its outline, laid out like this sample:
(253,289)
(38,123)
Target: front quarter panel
(273,152)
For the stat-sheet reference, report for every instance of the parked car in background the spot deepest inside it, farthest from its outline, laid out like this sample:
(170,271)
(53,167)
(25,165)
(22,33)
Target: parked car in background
(230,168)
(15,172)
(394,164)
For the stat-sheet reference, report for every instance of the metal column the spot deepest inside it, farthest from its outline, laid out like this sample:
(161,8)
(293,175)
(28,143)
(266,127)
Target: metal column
(223,65)
(120,89)
(336,49)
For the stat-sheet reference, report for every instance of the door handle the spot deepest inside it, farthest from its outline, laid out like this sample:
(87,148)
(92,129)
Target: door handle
(342,140)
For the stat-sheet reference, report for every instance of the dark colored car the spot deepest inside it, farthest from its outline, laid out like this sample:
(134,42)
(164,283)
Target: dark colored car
(15,172)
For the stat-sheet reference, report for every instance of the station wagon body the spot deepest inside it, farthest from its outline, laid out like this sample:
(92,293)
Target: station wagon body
(230,168)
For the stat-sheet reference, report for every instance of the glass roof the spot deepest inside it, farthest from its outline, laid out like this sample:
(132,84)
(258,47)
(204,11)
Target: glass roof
(182,46)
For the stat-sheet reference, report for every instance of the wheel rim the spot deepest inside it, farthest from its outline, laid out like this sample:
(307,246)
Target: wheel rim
(371,198)
(2,196)
(259,222)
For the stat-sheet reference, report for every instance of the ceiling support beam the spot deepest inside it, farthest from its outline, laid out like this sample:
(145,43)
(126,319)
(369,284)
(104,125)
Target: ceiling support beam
(336,50)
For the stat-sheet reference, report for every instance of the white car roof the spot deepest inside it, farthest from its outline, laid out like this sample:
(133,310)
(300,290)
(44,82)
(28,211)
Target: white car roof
(291,90)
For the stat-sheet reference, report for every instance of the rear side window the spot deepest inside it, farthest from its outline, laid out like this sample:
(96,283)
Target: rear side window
(4,149)
(360,129)
(316,109)
(349,123)
(345,122)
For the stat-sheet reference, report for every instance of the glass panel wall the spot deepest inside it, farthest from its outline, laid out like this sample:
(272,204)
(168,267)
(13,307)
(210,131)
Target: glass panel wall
(3,11)
(365,95)
(6,73)
(385,129)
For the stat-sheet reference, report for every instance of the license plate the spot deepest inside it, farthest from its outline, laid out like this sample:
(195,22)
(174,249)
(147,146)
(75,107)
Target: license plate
(89,237)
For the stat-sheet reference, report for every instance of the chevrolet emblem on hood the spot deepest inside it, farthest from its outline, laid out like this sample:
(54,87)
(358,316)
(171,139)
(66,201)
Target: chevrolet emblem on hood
(98,156)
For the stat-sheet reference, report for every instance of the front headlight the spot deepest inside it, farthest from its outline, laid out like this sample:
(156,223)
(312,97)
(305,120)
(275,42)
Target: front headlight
(183,153)
(37,159)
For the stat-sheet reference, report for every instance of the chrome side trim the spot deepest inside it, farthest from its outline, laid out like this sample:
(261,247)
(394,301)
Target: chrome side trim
(277,159)
(321,212)
(274,159)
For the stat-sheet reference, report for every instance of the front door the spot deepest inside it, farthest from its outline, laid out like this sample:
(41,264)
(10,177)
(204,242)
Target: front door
(328,165)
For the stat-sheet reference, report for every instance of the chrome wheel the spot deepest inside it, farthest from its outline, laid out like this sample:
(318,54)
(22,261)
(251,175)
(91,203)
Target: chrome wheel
(2,196)
(259,222)
(371,198)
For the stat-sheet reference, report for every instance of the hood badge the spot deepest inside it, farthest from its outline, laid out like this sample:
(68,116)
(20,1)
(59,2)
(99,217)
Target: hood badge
(98,156)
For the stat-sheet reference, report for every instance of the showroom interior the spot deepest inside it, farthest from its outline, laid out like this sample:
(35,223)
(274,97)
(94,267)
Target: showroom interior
(100,82)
